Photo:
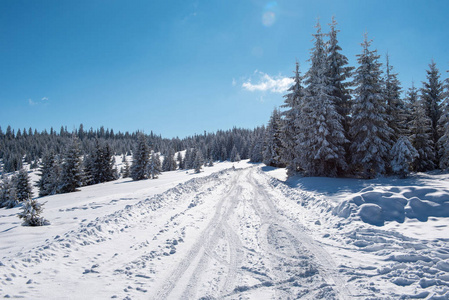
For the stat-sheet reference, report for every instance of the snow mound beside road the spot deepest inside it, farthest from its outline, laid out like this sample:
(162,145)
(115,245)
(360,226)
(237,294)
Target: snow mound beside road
(378,205)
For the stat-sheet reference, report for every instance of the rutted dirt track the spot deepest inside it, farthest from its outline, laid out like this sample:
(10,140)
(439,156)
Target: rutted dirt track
(218,237)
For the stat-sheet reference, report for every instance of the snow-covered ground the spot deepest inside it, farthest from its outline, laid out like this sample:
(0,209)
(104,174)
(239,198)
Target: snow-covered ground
(242,233)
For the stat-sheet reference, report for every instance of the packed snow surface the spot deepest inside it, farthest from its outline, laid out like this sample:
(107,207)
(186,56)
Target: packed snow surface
(233,233)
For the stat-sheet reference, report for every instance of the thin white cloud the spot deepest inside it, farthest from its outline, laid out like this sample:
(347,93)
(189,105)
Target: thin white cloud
(43,101)
(265,82)
(234,82)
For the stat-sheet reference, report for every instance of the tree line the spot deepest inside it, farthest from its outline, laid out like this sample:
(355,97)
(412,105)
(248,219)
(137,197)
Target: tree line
(338,120)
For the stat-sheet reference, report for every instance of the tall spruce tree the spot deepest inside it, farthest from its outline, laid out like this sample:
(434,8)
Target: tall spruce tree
(72,171)
(125,169)
(410,99)
(49,175)
(154,166)
(395,105)
(338,73)
(322,138)
(235,156)
(432,95)
(290,130)
(257,144)
(141,158)
(273,143)
(180,161)
(23,186)
(443,128)
(403,154)
(8,197)
(198,162)
(421,137)
(169,162)
(370,133)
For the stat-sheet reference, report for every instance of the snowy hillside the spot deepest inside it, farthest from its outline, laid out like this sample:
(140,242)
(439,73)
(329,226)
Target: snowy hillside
(226,233)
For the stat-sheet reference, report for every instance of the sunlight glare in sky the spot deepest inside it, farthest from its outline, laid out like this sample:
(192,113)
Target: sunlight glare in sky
(269,15)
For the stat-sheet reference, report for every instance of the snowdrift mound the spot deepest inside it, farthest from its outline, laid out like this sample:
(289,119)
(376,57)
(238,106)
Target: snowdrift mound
(375,206)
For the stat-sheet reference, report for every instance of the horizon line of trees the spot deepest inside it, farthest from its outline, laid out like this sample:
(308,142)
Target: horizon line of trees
(68,163)
(338,120)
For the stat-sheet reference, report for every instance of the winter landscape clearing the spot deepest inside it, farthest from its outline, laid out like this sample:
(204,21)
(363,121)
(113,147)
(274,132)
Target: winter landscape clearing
(234,233)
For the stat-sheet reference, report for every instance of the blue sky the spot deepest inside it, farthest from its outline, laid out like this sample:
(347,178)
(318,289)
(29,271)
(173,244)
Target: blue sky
(181,67)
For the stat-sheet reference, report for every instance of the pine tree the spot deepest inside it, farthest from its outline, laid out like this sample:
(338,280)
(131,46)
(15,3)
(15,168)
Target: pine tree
(23,186)
(8,196)
(235,156)
(154,166)
(72,172)
(198,162)
(403,154)
(432,95)
(395,106)
(31,213)
(339,72)
(410,100)
(257,146)
(188,159)
(180,161)
(443,130)
(273,143)
(140,158)
(169,163)
(321,138)
(125,170)
(290,130)
(49,175)
(370,133)
(421,137)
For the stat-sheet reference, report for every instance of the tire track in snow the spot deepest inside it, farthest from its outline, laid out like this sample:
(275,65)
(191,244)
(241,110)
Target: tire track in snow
(267,210)
(197,256)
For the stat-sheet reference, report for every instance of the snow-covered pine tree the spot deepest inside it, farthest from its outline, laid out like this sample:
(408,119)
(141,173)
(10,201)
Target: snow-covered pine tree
(321,139)
(403,154)
(210,162)
(338,73)
(291,114)
(235,156)
(31,213)
(125,170)
(169,163)
(141,158)
(395,105)
(108,164)
(257,146)
(198,162)
(443,128)
(49,175)
(369,132)
(8,196)
(72,172)
(410,99)
(102,166)
(273,144)
(188,159)
(421,137)
(432,95)
(23,186)
(180,161)
(154,166)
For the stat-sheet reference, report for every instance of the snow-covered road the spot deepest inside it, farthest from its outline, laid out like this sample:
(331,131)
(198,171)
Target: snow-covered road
(226,234)
(220,236)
